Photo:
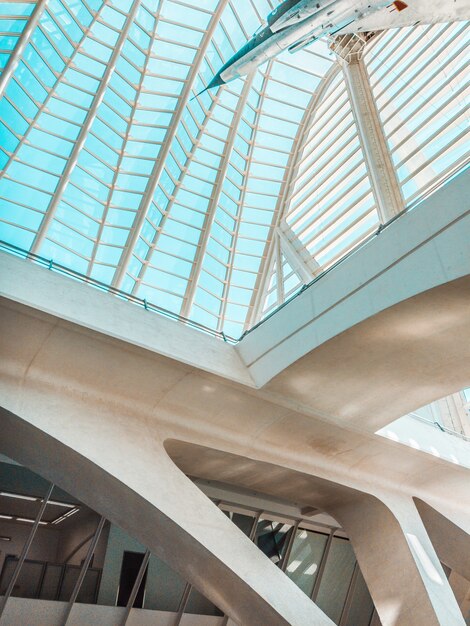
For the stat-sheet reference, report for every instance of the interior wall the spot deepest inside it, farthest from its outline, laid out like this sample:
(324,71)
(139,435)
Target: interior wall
(80,528)
(44,547)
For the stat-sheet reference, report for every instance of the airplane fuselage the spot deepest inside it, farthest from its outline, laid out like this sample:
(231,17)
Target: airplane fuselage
(291,26)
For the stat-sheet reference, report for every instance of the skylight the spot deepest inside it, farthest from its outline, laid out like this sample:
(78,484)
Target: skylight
(112,167)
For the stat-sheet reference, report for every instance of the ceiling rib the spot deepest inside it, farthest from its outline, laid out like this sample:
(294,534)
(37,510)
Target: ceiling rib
(21,44)
(85,129)
(126,137)
(242,198)
(154,179)
(216,192)
(161,226)
(51,91)
(262,283)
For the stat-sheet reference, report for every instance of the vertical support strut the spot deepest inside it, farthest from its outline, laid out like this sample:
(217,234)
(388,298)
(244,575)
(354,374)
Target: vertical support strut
(83,570)
(20,47)
(25,550)
(384,182)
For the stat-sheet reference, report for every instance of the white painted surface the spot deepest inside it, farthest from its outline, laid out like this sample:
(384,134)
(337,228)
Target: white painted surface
(426,247)
(428,438)
(418,11)
(42,289)
(25,612)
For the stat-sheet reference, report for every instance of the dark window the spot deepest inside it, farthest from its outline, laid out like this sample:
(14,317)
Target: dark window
(131,562)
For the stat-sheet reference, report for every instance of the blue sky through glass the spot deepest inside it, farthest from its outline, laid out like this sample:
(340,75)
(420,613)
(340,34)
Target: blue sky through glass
(110,166)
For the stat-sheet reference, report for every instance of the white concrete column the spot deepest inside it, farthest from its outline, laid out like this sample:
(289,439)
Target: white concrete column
(450,537)
(379,163)
(402,571)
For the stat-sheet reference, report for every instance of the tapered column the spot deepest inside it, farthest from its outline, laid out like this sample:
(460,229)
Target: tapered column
(450,537)
(385,186)
(399,564)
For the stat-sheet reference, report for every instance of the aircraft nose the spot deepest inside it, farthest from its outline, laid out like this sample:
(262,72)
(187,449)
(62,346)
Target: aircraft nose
(216,82)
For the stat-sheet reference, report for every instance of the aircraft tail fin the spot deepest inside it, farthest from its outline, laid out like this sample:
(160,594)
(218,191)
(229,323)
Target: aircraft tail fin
(399,6)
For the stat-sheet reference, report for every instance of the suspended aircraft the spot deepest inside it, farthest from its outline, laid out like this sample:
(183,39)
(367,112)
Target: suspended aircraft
(295,24)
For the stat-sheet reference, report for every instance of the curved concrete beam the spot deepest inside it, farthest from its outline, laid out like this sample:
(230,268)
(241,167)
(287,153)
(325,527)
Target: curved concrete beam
(422,249)
(451,539)
(129,479)
(392,363)
(396,557)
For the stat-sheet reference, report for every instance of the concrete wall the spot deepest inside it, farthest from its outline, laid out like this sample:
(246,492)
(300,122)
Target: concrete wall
(22,612)
(44,547)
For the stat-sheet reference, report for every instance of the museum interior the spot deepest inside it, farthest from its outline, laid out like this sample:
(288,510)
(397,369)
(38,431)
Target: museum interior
(234,313)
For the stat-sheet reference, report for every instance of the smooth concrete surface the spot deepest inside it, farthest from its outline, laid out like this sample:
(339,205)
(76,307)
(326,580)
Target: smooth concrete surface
(68,299)
(384,528)
(424,248)
(26,612)
(451,538)
(92,413)
(127,477)
(362,346)
(400,359)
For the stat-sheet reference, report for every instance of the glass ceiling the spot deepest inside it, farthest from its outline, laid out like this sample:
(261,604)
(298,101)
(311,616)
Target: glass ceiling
(215,207)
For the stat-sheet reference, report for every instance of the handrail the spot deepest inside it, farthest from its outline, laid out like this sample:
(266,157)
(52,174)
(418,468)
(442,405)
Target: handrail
(148,306)
(435,424)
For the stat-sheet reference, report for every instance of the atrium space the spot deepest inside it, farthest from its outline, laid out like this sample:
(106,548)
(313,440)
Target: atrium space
(234,313)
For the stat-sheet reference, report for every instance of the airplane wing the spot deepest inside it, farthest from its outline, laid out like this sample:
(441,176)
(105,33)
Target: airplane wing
(418,12)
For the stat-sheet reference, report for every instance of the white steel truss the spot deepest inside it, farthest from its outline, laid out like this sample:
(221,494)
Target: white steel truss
(90,118)
(209,218)
(271,256)
(213,207)
(160,163)
(21,44)
(374,145)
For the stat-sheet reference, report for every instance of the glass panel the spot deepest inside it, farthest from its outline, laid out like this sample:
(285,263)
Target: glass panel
(7,572)
(244,522)
(305,558)
(360,610)
(27,583)
(200,605)
(164,586)
(89,589)
(271,538)
(51,582)
(336,578)
(71,574)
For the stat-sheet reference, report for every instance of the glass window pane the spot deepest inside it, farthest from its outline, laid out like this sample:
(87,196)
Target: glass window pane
(305,558)
(336,578)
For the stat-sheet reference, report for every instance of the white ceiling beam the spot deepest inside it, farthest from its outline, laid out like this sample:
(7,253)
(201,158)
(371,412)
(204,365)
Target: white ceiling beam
(157,170)
(18,51)
(85,129)
(297,255)
(259,110)
(178,185)
(215,197)
(126,138)
(262,282)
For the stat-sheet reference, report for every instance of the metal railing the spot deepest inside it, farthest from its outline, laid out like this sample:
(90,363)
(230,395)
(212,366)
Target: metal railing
(442,428)
(142,302)
(149,306)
